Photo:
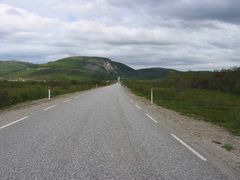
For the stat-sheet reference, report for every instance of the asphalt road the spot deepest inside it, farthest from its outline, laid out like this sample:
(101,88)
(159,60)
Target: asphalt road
(100,134)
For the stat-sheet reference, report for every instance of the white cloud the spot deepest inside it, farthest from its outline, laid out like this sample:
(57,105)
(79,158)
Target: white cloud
(133,34)
(15,19)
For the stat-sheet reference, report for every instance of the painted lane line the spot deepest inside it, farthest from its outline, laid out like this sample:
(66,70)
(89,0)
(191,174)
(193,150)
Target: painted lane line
(66,100)
(49,107)
(137,106)
(188,147)
(14,122)
(151,118)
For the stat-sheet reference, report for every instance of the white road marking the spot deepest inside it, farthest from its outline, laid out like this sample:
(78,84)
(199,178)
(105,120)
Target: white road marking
(187,146)
(49,107)
(151,118)
(66,100)
(14,122)
(138,107)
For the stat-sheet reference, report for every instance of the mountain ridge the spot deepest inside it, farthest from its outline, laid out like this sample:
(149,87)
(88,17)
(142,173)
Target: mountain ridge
(76,68)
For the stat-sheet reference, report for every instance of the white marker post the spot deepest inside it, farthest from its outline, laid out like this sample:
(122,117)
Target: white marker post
(49,94)
(151,95)
(119,79)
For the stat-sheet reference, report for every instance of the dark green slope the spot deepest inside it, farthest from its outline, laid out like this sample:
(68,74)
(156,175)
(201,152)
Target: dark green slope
(154,73)
(8,67)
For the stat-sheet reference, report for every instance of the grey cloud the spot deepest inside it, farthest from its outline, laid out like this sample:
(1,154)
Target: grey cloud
(13,12)
(139,33)
(221,10)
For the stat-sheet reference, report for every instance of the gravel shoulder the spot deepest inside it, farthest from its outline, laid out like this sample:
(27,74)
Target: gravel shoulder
(202,135)
(31,107)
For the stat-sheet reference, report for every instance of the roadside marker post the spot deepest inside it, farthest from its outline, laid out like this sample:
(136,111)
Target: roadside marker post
(151,95)
(49,94)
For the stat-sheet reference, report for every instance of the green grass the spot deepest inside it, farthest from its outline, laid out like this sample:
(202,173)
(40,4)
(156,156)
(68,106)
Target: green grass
(12,93)
(213,106)
(228,147)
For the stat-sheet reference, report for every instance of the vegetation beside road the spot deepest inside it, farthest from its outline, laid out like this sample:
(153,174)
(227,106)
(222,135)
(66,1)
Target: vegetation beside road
(214,98)
(22,81)
(12,93)
(210,96)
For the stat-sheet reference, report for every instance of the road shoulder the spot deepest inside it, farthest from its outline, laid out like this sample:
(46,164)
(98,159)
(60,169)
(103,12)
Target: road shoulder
(205,136)
(31,107)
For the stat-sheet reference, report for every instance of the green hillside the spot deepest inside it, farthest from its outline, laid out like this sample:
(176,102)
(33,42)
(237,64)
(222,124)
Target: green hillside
(7,67)
(78,68)
(72,68)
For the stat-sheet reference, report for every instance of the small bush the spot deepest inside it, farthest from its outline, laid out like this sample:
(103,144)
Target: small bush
(228,147)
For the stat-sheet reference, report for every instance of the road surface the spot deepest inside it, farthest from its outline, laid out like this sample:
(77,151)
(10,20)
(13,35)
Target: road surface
(99,134)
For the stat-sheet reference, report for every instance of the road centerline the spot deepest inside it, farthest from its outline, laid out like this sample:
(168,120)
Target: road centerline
(14,122)
(49,107)
(151,118)
(188,147)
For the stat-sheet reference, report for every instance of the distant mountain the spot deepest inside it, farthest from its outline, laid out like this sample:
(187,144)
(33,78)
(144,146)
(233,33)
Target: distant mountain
(72,68)
(77,68)
(91,65)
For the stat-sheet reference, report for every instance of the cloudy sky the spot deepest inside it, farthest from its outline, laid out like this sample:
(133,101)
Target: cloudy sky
(180,34)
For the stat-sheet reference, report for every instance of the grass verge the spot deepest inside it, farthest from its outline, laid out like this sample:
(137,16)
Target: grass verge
(228,147)
(213,106)
(12,93)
